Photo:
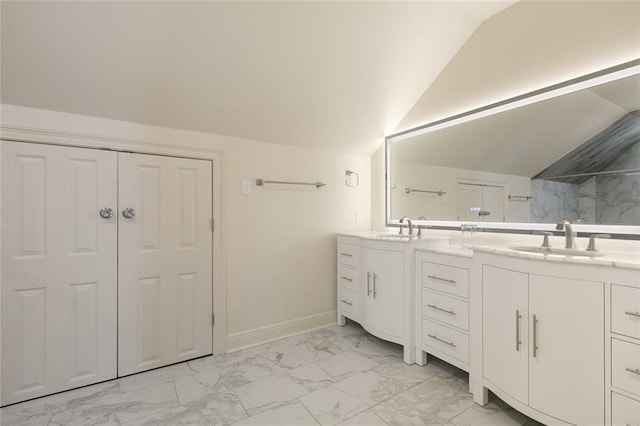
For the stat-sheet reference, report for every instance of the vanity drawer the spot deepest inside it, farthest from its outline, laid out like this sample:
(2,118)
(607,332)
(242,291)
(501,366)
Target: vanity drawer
(448,279)
(446,340)
(348,278)
(625,310)
(446,309)
(624,411)
(348,254)
(348,303)
(625,366)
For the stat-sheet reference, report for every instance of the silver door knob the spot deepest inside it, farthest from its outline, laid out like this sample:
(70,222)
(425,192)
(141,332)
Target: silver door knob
(128,213)
(106,213)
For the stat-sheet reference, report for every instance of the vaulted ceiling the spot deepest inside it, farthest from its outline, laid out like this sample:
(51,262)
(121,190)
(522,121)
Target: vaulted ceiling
(325,75)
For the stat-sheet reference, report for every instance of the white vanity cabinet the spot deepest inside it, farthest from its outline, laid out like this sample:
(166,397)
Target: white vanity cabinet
(382,272)
(442,308)
(375,279)
(543,342)
(625,354)
(557,339)
(372,291)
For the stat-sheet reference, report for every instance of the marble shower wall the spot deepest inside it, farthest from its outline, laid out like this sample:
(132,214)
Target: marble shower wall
(618,195)
(604,199)
(587,201)
(553,201)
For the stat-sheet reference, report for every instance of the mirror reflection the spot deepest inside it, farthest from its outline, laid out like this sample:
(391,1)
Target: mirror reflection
(574,157)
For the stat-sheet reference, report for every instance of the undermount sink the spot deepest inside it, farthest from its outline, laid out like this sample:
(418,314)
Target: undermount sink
(396,236)
(557,251)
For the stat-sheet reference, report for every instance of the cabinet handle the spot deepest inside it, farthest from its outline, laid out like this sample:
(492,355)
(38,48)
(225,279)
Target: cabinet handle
(346,254)
(347,279)
(368,286)
(347,302)
(440,309)
(535,336)
(518,341)
(633,370)
(633,314)
(433,277)
(106,212)
(375,292)
(433,336)
(128,213)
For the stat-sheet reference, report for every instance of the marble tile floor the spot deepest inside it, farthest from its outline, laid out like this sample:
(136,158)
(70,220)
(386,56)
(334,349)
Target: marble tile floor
(334,375)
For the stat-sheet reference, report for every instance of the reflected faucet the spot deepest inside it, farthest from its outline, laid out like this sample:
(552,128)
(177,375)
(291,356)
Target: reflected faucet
(569,235)
(420,227)
(410,225)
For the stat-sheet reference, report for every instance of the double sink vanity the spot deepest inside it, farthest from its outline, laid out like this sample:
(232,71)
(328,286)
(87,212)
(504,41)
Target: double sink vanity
(553,333)
(549,323)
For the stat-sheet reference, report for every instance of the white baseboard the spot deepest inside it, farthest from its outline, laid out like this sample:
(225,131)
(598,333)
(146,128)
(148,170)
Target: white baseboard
(278,331)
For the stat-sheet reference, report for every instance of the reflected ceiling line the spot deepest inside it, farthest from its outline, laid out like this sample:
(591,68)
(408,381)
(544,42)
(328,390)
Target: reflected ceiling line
(569,86)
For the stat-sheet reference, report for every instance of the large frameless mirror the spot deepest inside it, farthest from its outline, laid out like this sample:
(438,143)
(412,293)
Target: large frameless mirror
(566,152)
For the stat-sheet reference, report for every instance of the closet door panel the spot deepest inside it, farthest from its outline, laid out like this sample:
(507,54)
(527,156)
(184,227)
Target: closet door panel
(58,269)
(165,277)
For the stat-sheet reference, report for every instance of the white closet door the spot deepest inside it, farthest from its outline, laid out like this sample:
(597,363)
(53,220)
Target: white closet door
(164,261)
(58,269)
(468,202)
(493,202)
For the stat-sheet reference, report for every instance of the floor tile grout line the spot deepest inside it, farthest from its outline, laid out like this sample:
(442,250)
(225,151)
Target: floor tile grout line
(308,411)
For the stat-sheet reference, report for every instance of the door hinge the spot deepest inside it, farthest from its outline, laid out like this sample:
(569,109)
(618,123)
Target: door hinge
(213,320)
(213,224)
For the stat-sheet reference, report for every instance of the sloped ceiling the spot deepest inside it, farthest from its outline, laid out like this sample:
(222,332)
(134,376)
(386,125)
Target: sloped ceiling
(524,48)
(327,75)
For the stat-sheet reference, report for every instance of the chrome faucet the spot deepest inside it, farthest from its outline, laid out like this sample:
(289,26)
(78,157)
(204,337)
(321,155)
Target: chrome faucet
(569,235)
(420,226)
(410,225)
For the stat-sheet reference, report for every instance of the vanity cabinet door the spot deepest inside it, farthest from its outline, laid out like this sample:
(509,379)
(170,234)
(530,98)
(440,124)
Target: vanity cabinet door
(504,316)
(565,370)
(382,275)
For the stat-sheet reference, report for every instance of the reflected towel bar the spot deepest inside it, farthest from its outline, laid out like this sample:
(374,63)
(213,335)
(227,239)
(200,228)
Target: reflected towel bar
(409,191)
(261,182)
(520,197)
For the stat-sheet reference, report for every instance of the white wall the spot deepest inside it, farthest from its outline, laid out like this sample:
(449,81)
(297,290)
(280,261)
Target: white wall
(527,46)
(434,178)
(280,241)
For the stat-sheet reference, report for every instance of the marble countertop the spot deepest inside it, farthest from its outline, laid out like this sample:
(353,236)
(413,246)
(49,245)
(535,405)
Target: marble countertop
(451,251)
(443,245)
(608,258)
(394,237)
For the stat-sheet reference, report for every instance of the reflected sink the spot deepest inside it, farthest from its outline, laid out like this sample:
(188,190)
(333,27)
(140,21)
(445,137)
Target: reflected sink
(557,251)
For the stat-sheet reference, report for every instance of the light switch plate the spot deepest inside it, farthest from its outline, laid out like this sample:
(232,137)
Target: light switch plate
(244,187)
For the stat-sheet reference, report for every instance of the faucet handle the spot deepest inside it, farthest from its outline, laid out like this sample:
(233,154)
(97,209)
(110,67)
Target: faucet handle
(592,241)
(545,239)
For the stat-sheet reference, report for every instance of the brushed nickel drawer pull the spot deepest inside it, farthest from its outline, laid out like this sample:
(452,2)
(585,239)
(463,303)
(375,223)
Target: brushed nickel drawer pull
(375,291)
(368,284)
(347,302)
(535,336)
(633,314)
(433,336)
(633,370)
(518,341)
(433,277)
(347,279)
(436,307)
(346,254)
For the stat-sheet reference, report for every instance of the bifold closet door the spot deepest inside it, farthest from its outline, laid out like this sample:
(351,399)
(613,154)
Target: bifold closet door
(164,260)
(59,253)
